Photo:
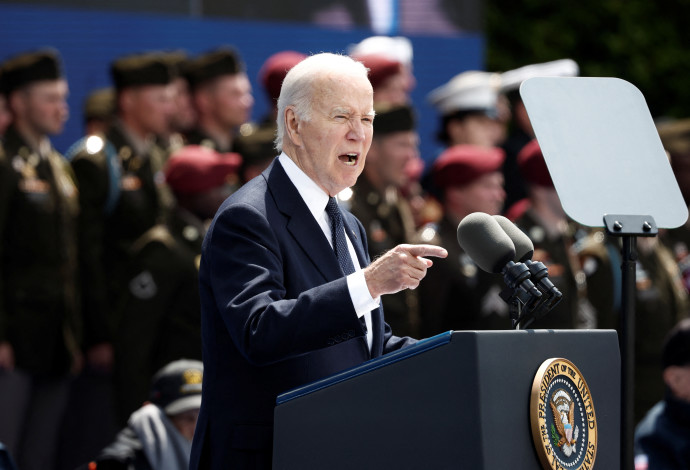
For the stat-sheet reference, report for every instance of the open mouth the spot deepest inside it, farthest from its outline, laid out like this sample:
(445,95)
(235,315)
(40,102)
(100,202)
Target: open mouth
(349,159)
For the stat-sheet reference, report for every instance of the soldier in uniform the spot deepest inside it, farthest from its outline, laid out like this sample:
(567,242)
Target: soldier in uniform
(39,314)
(660,301)
(160,318)
(471,110)
(376,201)
(121,190)
(183,117)
(388,78)
(257,150)
(675,136)
(256,143)
(456,294)
(397,49)
(520,131)
(99,111)
(470,114)
(222,97)
(271,76)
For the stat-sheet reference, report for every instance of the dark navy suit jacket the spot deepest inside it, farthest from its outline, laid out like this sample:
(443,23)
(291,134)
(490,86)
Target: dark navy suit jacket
(276,314)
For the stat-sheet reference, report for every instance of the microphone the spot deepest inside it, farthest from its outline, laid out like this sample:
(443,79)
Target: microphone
(524,249)
(483,239)
(485,242)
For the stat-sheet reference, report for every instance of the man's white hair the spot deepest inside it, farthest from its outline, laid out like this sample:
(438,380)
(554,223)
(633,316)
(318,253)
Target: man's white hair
(299,85)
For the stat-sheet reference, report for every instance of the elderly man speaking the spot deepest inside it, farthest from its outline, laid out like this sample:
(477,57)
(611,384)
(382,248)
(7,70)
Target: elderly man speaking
(288,295)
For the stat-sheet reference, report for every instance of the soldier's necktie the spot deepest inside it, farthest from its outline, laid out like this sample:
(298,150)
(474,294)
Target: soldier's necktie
(338,237)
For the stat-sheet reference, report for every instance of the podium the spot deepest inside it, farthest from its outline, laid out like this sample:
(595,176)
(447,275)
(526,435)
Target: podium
(459,400)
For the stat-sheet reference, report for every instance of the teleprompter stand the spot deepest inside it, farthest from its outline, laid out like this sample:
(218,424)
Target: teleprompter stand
(609,168)
(628,227)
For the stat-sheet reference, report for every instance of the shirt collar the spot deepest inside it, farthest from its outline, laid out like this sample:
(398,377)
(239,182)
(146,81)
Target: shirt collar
(315,197)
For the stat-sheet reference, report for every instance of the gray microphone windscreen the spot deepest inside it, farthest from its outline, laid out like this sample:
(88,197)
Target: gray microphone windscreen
(485,242)
(524,248)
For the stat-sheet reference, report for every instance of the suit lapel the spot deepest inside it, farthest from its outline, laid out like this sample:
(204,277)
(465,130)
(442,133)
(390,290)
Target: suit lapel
(301,224)
(309,236)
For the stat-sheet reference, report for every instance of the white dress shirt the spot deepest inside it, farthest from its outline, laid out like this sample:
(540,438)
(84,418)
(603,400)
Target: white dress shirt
(316,199)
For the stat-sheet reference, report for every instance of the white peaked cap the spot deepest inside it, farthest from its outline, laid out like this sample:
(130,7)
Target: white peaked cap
(472,90)
(397,48)
(512,79)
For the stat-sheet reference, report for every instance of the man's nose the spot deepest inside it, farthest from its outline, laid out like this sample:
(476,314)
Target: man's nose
(357,130)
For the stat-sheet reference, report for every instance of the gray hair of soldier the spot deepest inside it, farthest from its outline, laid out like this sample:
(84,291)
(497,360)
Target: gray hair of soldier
(299,85)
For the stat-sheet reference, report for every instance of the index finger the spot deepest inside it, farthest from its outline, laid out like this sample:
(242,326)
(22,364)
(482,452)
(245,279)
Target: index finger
(427,250)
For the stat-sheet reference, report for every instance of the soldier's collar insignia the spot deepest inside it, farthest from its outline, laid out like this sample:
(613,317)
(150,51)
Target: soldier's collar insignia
(564,424)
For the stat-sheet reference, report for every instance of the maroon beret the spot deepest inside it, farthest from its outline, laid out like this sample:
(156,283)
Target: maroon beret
(533,166)
(462,164)
(380,68)
(195,169)
(275,68)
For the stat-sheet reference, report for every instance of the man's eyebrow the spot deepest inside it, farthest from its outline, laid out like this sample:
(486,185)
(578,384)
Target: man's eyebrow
(339,110)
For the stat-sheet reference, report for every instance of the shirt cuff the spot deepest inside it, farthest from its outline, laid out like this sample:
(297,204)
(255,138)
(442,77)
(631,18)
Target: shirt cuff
(359,293)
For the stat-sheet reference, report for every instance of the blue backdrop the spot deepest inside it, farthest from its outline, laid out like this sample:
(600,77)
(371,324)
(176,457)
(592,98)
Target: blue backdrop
(90,40)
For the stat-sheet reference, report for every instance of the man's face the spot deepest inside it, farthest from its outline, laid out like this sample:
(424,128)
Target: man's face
(43,106)
(332,145)
(678,380)
(485,194)
(394,91)
(390,154)
(185,423)
(151,107)
(232,100)
(474,129)
(184,115)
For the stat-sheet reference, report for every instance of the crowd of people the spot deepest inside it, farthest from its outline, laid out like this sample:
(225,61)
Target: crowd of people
(101,247)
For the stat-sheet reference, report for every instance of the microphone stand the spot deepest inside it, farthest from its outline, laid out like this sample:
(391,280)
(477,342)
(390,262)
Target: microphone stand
(529,293)
(520,292)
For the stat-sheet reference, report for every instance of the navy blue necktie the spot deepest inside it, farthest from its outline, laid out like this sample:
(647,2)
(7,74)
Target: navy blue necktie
(338,237)
(340,244)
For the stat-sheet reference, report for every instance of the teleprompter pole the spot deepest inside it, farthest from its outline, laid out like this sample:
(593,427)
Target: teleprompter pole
(628,227)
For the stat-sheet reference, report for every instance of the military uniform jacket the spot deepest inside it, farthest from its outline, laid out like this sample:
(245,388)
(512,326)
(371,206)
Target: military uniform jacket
(387,220)
(38,253)
(198,137)
(160,319)
(107,232)
(456,294)
(660,302)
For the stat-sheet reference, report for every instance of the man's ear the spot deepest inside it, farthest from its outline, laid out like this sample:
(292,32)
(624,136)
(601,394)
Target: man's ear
(202,98)
(17,102)
(292,127)
(125,99)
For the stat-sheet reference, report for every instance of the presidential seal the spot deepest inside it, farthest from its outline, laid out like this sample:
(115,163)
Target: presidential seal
(564,425)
